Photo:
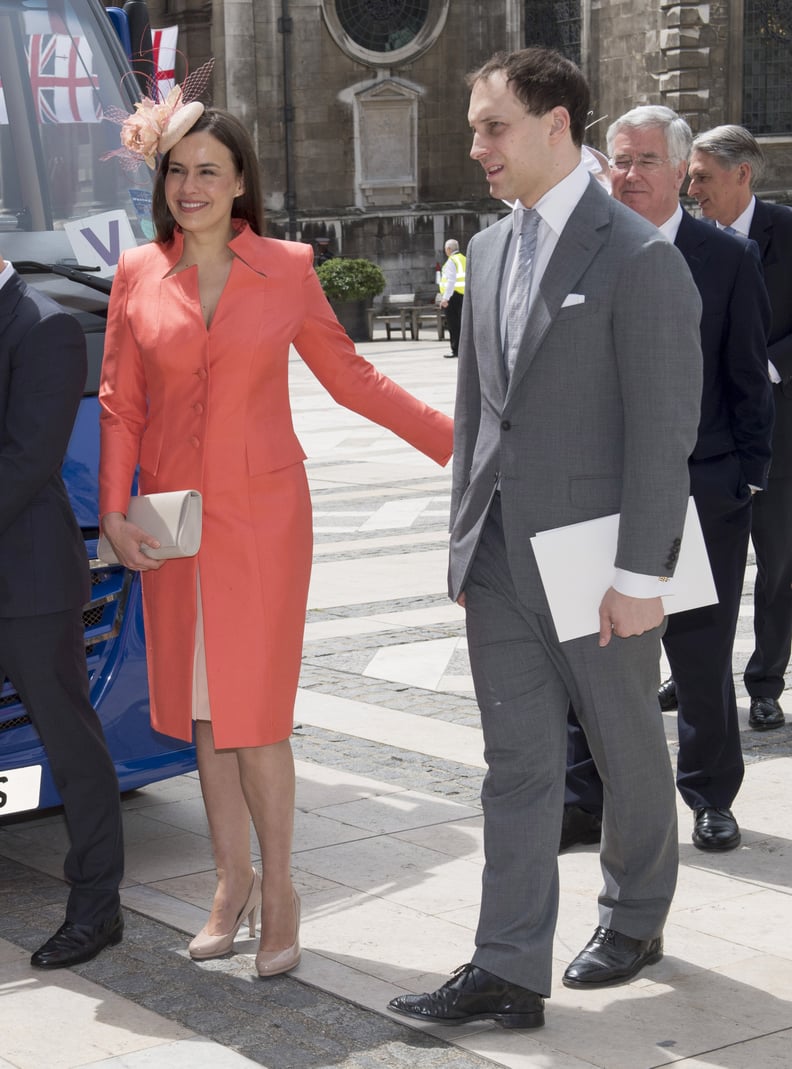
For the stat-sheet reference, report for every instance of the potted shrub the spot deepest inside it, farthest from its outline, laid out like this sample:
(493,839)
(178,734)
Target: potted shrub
(350,286)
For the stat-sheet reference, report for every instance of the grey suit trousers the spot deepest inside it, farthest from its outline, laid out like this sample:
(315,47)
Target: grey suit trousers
(524,680)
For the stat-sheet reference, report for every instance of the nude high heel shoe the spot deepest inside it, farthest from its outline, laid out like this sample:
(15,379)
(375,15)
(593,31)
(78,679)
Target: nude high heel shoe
(274,962)
(214,946)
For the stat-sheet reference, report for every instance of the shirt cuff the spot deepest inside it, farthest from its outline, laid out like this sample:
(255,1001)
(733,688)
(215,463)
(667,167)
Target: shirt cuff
(635,585)
(773,372)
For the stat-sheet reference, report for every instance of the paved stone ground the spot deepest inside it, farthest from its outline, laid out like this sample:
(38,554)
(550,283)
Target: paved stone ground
(294,1026)
(284,1023)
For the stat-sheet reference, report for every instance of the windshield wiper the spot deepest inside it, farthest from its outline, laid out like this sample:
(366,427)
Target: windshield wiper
(74,274)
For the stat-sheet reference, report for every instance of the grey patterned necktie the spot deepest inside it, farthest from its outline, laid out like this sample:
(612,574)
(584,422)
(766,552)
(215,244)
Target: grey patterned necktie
(526,224)
(729,230)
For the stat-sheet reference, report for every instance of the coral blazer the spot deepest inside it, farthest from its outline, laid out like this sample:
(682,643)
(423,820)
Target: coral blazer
(208,409)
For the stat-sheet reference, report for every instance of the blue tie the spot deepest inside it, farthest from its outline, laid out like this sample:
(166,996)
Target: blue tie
(526,224)
(730,230)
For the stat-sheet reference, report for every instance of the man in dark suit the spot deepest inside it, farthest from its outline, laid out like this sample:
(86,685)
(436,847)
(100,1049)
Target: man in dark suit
(724,166)
(578,396)
(44,582)
(649,148)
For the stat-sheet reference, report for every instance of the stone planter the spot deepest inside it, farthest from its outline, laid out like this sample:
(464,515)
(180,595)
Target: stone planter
(353,317)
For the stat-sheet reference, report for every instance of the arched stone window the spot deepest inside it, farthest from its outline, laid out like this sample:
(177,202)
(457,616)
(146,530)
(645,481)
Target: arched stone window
(385,33)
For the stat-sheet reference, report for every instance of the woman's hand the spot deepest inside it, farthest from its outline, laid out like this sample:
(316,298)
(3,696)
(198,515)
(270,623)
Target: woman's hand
(126,539)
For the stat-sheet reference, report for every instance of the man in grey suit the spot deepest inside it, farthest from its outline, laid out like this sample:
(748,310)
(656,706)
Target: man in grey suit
(592,410)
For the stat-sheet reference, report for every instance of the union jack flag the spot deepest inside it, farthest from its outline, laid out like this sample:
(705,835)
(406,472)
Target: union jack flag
(62,81)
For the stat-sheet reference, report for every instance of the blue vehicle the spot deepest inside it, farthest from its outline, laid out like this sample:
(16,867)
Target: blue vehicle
(62,70)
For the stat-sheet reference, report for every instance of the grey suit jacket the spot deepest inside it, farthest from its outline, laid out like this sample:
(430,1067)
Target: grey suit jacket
(601,411)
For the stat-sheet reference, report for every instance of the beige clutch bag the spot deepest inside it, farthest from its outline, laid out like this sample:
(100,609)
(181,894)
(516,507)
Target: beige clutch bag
(173,518)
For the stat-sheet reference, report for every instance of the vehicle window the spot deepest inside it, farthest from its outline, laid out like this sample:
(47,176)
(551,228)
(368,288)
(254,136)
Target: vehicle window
(59,79)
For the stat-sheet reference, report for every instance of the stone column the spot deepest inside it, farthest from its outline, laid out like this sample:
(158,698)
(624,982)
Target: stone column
(694,80)
(234,46)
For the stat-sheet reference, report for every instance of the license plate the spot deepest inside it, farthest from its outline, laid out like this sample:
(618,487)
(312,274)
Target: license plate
(20,789)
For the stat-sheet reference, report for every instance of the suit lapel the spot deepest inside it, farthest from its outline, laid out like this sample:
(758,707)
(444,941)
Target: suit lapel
(691,240)
(581,239)
(9,298)
(761,229)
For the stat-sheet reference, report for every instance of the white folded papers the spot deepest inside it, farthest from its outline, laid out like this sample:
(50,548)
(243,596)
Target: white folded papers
(576,565)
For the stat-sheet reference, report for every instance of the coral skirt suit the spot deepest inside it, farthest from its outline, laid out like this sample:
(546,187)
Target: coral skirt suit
(208,409)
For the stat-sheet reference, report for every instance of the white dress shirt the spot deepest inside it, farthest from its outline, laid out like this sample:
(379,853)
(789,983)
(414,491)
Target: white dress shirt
(6,273)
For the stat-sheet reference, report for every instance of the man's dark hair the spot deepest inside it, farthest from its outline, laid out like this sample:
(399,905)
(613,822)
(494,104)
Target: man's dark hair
(542,79)
(230,132)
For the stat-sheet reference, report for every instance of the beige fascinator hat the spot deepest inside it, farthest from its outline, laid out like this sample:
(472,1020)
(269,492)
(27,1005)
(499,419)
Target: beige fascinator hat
(155,126)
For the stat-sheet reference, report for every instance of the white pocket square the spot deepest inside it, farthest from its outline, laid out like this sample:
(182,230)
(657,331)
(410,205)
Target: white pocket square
(573,298)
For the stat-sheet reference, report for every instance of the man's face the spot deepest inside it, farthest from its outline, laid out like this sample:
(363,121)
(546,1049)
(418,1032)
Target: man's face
(722,192)
(643,177)
(513,147)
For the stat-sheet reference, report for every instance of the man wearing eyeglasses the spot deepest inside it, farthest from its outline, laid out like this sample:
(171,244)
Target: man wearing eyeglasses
(649,149)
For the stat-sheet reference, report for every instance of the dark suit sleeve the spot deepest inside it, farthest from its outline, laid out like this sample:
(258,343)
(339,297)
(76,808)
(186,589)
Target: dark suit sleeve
(48,367)
(744,367)
(780,354)
(777,259)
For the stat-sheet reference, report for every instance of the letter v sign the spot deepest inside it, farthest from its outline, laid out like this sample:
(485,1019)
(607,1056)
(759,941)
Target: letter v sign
(99,240)
(109,255)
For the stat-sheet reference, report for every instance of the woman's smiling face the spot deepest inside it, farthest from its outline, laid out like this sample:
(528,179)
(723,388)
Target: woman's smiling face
(201,183)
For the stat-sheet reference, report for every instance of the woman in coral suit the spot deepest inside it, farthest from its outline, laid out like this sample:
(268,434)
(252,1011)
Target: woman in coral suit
(195,390)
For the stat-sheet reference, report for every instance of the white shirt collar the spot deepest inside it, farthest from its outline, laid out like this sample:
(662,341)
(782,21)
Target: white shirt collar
(6,273)
(558,203)
(742,224)
(671,226)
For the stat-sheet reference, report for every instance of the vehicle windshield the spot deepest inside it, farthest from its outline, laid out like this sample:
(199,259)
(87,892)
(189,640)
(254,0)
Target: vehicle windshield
(60,76)
(62,73)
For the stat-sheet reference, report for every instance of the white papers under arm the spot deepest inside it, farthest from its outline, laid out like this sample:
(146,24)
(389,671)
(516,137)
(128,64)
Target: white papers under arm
(576,566)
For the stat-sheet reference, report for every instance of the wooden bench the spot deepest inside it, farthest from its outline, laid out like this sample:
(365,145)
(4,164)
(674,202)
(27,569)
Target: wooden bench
(428,313)
(395,313)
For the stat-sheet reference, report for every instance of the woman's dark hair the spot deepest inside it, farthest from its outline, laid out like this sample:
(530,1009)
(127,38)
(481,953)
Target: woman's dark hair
(542,79)
(230,132)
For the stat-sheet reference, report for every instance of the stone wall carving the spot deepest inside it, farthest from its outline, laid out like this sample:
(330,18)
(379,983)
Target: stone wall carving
(386,119)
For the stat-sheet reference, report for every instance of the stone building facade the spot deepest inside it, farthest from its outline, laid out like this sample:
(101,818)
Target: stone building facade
(358,107)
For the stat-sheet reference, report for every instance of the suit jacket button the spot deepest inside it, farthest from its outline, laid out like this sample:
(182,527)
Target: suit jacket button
(505,425)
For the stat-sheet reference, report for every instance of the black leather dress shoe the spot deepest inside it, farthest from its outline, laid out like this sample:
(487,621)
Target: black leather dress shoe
(578,827)
(75,943)
(715,829)
(473,994)
(611,958)
(667,696)
(450,356)
(765,714)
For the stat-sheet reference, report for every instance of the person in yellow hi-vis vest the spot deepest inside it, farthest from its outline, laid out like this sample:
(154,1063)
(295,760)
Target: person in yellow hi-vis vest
(452,292)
